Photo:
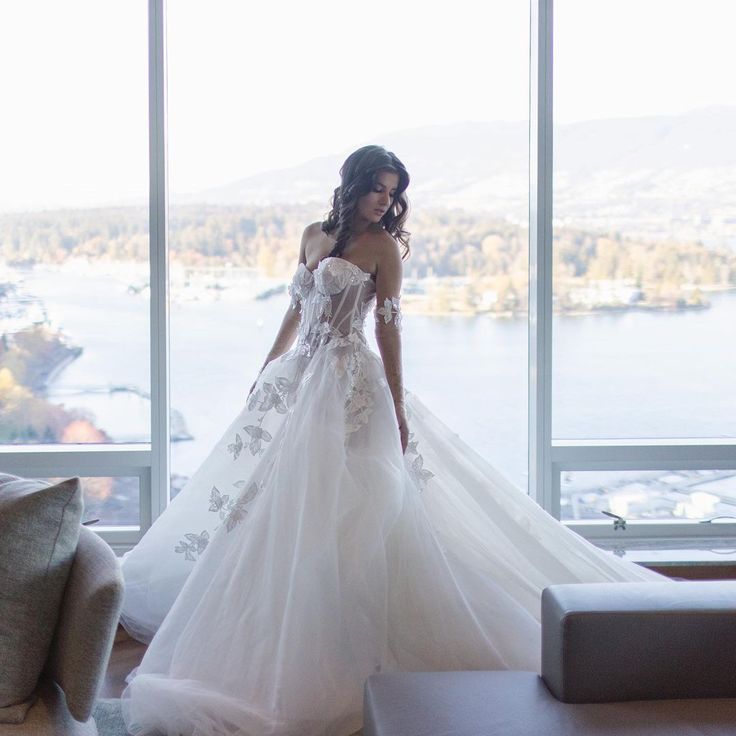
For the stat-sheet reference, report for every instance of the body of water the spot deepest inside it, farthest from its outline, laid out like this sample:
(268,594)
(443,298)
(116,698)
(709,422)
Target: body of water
(626,374)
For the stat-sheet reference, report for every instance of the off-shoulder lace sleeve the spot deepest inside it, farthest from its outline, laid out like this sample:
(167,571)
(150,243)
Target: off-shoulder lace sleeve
(299,286)
(390,312)
(295,298)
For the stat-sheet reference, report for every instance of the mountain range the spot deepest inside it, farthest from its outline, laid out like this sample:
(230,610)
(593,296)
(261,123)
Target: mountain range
(663,177)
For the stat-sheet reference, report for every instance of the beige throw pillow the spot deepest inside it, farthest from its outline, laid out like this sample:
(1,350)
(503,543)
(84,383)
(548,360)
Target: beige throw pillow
(39,530)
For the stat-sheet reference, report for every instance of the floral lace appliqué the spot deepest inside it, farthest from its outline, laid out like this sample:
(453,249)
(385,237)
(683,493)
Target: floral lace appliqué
(420,474)
(359,398)
(235,448)
(257,436)
(294,297)
(348,358)
(193,545)
(235,512)
(298,289)
(276,396)
(231,510)
(391,310)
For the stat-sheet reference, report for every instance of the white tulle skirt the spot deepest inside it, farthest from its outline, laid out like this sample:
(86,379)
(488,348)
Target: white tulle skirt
(307,553)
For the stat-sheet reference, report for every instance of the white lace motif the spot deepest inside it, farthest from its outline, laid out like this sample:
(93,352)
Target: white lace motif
(334,302)
(390,312)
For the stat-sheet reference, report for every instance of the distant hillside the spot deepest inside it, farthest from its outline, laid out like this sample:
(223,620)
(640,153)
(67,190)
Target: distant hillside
(669,176)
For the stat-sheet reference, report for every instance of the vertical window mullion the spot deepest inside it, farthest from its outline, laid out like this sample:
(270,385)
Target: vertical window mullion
(158,213)
(540,258)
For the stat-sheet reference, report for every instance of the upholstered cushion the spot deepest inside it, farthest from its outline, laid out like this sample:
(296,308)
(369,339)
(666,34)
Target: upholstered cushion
(39,530)
(85,633)
(509,703)
(17,713)
(604,642)
(49,716)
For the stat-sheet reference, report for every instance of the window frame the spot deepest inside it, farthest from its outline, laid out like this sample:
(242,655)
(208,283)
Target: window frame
(149,462)
(93,460)
(547,458)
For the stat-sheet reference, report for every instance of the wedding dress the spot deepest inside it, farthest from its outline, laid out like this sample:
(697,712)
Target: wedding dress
(307,552)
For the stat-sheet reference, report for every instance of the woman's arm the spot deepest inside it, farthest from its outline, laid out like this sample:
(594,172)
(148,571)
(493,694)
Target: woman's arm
(290,322)
(388,326)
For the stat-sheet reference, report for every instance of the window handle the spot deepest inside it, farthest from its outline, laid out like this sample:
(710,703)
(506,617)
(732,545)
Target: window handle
(618,521)
(722,516)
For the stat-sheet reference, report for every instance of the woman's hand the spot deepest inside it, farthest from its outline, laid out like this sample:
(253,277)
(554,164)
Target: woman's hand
(256,381)
(403,426)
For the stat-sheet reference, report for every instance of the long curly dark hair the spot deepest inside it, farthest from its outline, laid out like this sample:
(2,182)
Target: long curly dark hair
(359,176)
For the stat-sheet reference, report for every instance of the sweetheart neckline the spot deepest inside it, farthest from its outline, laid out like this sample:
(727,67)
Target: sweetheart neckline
(336,258)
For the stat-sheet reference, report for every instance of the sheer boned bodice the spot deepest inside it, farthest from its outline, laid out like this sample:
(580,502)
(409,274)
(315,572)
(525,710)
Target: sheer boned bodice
(334,300)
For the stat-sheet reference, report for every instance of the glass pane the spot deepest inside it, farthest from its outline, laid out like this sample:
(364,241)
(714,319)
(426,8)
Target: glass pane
(255,150)
(648,494)
(114,501)
(644,220)
(74,349)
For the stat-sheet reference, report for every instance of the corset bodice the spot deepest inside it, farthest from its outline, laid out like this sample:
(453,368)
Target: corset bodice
(334,300)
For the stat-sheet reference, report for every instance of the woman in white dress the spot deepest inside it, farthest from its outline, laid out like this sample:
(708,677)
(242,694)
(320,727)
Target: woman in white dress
(338,528)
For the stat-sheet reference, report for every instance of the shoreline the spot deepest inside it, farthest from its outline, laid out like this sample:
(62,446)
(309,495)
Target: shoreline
(64,356)
(410,308)
(212,289)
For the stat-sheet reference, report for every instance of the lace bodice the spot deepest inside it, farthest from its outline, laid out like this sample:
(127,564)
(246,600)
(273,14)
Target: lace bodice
(334,302)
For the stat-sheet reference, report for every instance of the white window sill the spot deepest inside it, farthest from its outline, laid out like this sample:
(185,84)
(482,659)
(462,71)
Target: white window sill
(711,553)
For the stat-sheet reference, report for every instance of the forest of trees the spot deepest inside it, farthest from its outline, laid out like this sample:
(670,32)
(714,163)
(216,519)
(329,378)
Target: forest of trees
(485,254)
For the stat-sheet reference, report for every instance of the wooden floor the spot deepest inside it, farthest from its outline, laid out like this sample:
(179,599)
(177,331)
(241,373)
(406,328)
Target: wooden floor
(127,653)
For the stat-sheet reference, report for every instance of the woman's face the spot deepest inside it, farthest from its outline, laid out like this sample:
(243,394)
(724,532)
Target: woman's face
(373,205)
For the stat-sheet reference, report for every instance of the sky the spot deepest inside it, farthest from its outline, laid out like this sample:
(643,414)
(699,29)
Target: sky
(260,86)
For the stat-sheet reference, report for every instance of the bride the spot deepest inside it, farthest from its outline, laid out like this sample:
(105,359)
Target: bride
(338,528)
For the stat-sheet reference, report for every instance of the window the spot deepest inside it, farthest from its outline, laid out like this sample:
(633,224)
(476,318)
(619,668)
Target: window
(74,241)
(107,501)
(644,258)
(74,364)
(644,266)
(255,158)
(699,495)
(600,287)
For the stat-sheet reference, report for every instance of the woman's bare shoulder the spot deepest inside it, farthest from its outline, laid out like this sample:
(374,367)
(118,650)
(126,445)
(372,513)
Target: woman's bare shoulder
(385,254)
(312,235)
(314,228)
(385,247)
